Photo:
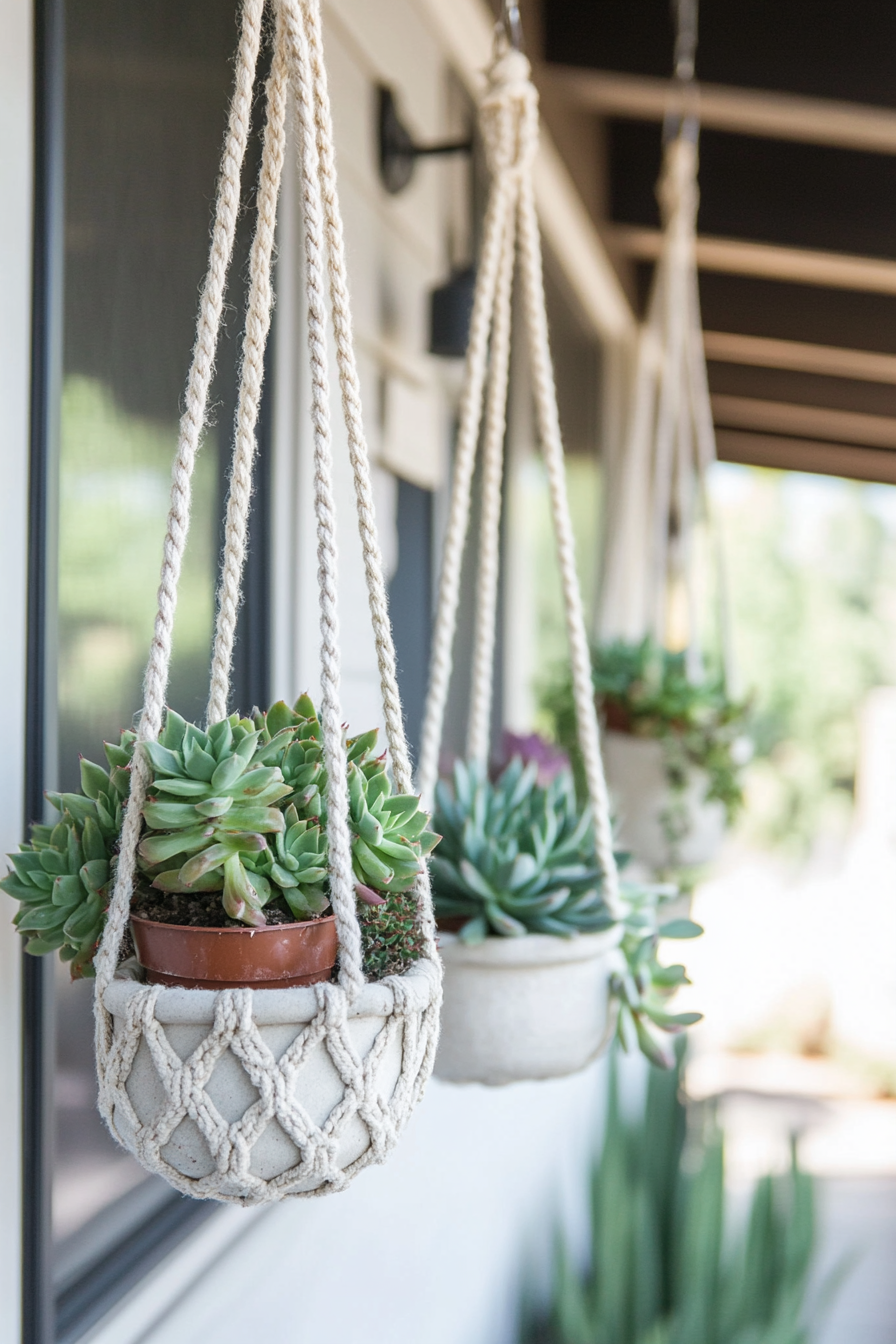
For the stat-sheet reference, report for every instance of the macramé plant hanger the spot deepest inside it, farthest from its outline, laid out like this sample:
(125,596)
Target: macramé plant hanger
(241,1095)
(656,501)
(539,1005)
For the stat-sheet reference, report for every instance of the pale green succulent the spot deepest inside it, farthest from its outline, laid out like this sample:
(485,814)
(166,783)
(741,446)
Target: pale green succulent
(516,857)
(211,799)
(389,835)
(642,991)
(297,865)
(63,875)
(238,809)
(291,739)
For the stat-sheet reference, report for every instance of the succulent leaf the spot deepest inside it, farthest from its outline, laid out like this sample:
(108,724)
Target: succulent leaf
(516,855)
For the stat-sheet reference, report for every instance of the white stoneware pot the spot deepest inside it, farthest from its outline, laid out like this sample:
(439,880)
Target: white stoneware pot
(524,1008)
(640,794)
(253,1095)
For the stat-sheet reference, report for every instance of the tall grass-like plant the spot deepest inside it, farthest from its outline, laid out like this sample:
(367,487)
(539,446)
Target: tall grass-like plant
(665,1265)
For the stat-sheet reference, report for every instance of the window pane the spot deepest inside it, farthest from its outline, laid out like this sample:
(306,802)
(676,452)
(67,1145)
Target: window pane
(146,96)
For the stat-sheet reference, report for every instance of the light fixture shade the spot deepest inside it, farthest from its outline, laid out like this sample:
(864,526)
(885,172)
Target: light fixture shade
(450,310)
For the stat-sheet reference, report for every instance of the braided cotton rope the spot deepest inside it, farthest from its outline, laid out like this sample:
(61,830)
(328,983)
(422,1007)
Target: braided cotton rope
(351,404)
(482,679)
(459,509)
(258,323)
(342,895)
(509,118)
(192,421)
(408,1007)
(671,441)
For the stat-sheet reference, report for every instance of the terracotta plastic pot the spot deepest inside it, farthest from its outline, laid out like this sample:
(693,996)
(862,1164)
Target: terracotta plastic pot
(525,1008)
(640,793)
(280,956)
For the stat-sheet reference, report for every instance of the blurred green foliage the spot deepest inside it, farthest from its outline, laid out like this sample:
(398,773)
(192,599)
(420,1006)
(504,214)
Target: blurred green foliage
(812,564)
(115,474)
(647,691)
(667,1264)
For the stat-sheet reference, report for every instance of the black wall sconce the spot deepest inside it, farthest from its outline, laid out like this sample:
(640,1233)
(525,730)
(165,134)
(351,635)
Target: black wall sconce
(450,310)
(398,152)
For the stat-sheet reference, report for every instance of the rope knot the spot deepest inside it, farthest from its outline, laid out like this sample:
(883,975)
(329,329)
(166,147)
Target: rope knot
(677,189)
(509,115)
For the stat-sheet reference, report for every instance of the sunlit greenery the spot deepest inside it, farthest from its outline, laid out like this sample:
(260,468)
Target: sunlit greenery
(812,576)
(115,470)
(813,583)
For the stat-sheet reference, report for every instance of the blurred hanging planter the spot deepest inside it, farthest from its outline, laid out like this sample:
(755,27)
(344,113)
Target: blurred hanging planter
(666,687)
(254,854)
(543,952)
(674,750)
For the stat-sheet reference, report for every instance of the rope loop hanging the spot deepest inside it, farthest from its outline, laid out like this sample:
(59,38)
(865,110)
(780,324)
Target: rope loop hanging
(134,1027)
(657,492)
(511,241)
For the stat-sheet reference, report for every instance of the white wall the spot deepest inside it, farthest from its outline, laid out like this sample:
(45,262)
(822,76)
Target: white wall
(15,286)
(432,1248)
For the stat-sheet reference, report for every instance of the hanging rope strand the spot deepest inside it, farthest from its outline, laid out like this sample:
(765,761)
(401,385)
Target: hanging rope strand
(459,510)
(552,448)
(350,389)
(192,421)
(342,894)
(258,324)
(481,688)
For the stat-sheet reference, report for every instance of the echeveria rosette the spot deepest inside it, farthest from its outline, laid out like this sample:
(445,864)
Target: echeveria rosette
(389,832)
(62,876)
(212,800)
(643,990)
(291,739)
(295,862)
(516,857)
(241,809)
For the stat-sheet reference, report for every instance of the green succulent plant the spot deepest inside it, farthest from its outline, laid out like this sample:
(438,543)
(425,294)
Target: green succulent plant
(669,1257)
(238,809)
(644,689)
(296,865)
(516,857)
(389,831)
(242,810)
(63,875)
(643,990)
(209,808)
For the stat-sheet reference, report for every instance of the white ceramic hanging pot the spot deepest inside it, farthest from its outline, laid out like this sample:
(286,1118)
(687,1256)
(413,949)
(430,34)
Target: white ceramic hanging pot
(640,790)
(248,1096)
(525,1008)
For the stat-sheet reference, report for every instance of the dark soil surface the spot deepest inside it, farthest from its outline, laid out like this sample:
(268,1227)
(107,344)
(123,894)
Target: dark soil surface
(201,911)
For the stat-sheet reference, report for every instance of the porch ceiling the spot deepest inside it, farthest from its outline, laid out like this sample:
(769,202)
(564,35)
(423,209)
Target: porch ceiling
(798,204)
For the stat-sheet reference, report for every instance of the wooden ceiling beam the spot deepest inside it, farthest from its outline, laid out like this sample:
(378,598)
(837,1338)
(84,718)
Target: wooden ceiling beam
(767,261)
(778,116)
(811,422)
(824,459)
(766,352)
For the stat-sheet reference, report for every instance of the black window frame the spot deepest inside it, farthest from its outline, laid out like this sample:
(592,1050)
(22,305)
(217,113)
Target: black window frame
(48,1318)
